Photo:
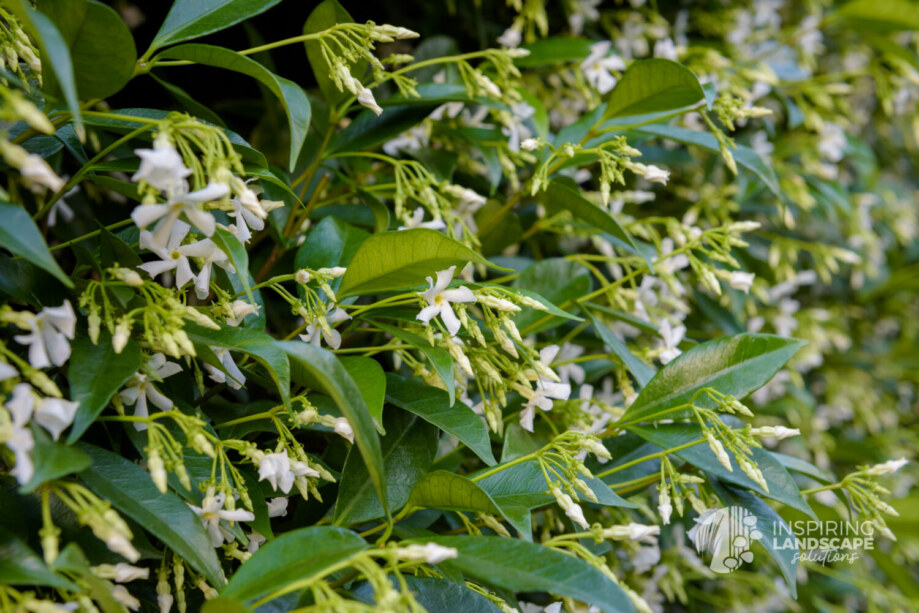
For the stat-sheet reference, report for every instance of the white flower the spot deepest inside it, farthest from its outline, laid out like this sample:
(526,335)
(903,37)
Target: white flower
(718,449)
(121,594)
(887,468)
(417,221)
(166,214)
(515,130)
(432,553)
(632,532)
(255,541)
(140,389)
(598,65)
(570,372)
(121,572)
(55,415)
(671,337)
(236,378)
(171,258)
(583,11)
(412,139)
(652,173)
(439,299)
(511,38)
(241,309)
(276,468)
(530,144)
(277,507)
(832,142)
(546,390)
(571,508)
(665,48)
(20,404)
(343,428)
(246,220)
(36,172)
(50,335)
(366,99)
(777,432)
(211,512)
(162,166)
(741,280)
(316,331)
(665,509)
(7,371)
(20,441)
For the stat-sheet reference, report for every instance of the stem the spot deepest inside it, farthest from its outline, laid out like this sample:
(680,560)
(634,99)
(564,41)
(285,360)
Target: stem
(114,226)
(651,456)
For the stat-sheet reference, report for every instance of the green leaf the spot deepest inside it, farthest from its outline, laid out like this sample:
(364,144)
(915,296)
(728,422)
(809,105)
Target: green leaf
(782,486)
(95,372)
(188,19)
(527,567)
(292,556)
(236,252)
(21,236)
(19,565)
(330,243)
(53,460)
(369,130)
(292,97)
(408,451)
(371,382)
(130,489)
(101,46)
(441,595)
(642,372)
(555,50)
(653,85)
(746,157)
(439,357)
(886,16)
(320,369)
(402,259)
(55,54)
(564,192)
(252,342)
(558,281)
(323,17)
(772,528)
(732,365)
(445,490)
(432,404)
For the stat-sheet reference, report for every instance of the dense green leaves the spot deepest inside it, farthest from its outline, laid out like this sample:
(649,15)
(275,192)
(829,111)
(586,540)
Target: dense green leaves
(641,371)
(653,85)
(291,95)
(95,373)
(735,365)
(370,380)
(20,235)
(19,565)
(408,450)
(402,259)
(166,516)
(323,17)
(295,555)
(101,46)
(53,460)
(521,566)
(188,19)
(564,193)
(557,281)
(438,357)
(331,243)
(433,405)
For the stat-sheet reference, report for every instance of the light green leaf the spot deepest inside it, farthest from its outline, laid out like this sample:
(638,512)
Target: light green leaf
(886,16)
(432,404)
(408,451)
(555,50)
(653,85)
(439,357)
(402,259)
(320,369)
(53,460)
(734,365)
(292,97)
(101,46)
(641,371)
(188,19)
(527,567)
(371,382)
(19,565)
(445,490)
(131,490)
(21,236)
(95,373)
(292,556)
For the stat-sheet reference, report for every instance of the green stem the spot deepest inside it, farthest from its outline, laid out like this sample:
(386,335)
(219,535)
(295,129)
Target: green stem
(651,456)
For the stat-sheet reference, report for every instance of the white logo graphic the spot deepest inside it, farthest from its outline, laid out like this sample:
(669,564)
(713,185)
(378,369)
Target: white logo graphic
(728,533)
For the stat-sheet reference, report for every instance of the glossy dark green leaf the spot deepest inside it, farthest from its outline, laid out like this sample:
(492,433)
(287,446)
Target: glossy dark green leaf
(19,565)
(556,280)
(131,490)
(290,557)
(744,156)
(439,358)
(101,46)
(53,460)
(528,567)
(402,259)
(781,485)
(323,17)
(330,243)
(291,95)
(371,382)
(369,130)
(653,85)
(564,193)
(21,236)
(433,405)
(445,490)
(236,252)
(735,365)
(772,528)
(188,19)
(407,452)
(320,369)
(441,595)
(95,373)
(642,372)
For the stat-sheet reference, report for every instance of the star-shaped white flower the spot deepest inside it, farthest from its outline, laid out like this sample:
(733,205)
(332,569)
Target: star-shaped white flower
(546,390)
(316,332)
(246,220)
(671,336)
(417,221)
(236,378)
(439,299)
(211,512)
(598,65)
(162,167)
(50,335)
(167,213)
(140,388)
(55,415)
(281,472)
